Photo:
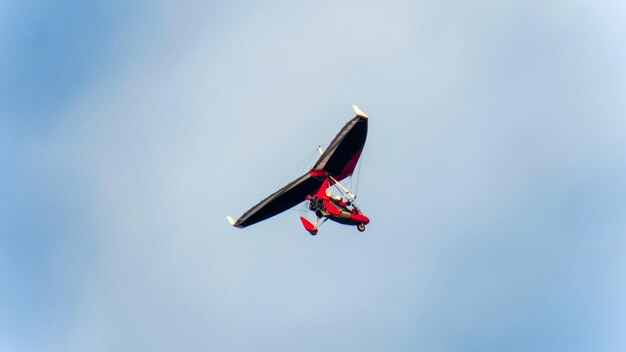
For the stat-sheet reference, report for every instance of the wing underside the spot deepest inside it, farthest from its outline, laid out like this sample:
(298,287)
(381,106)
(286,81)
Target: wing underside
(342,154)
(281,200)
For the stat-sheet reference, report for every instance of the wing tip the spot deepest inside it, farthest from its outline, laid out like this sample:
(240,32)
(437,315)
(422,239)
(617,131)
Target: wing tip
(234,223)
(359,112)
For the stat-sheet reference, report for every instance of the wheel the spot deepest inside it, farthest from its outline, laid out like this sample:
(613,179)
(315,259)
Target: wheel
(360,227)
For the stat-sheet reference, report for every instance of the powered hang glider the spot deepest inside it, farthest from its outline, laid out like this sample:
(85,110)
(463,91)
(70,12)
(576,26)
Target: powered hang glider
(336,163)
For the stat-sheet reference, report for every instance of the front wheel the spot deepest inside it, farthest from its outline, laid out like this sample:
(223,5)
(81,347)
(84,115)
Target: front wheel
(360,227)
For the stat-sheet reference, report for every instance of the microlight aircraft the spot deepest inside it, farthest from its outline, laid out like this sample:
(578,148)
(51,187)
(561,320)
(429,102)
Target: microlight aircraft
(336,163)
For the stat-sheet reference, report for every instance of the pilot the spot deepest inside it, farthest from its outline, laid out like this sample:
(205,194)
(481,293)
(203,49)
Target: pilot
(339,201)
(335,199)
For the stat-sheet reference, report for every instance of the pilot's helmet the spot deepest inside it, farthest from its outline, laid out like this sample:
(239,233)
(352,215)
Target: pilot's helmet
(338,198)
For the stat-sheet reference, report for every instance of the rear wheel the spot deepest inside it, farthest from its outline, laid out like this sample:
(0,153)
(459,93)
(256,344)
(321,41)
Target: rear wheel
(360,227)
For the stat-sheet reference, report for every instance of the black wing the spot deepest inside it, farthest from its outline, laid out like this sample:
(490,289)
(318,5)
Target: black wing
(281,200)
(342,155)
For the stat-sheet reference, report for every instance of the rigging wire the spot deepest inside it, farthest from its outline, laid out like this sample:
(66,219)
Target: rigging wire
(305,166)
(358,177)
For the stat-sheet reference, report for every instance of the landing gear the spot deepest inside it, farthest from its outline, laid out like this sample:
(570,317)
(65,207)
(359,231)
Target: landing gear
(360,227)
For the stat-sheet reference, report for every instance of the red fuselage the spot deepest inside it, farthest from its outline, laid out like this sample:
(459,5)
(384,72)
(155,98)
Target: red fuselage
(339,211)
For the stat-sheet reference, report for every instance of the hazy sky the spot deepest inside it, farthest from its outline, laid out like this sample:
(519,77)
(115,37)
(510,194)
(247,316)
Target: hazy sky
(494,175)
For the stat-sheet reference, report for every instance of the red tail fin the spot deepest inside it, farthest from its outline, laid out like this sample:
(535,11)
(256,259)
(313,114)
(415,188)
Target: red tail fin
(308,226)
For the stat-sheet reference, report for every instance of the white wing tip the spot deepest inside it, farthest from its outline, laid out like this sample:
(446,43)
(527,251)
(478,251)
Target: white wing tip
(359,112)
(231,221)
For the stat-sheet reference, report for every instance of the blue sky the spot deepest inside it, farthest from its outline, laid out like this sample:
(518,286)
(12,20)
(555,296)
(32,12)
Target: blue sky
(493,174)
